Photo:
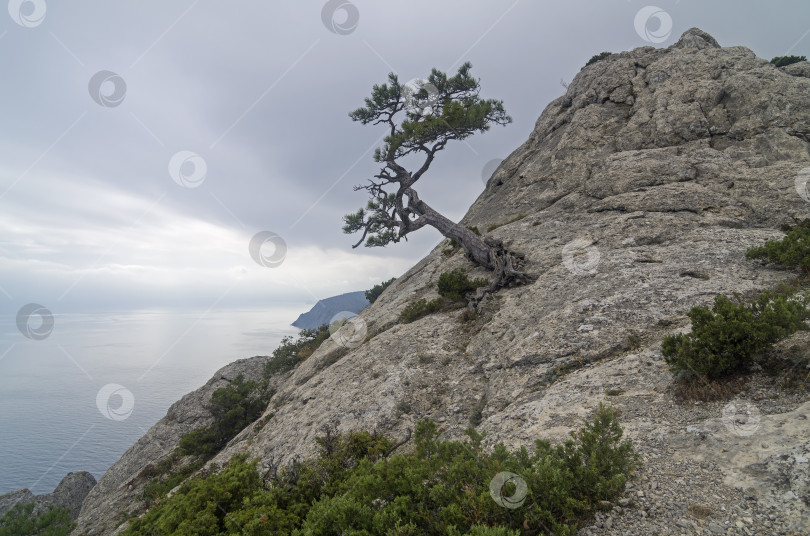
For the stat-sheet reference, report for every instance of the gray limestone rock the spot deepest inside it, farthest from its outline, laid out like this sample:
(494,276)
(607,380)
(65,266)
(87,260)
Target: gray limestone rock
(633,200)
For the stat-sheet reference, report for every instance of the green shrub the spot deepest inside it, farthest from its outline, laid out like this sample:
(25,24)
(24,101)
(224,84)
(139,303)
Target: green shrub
(440,488)
(781,61)
(374,292)
(291,352)
(597,57)
(19,522)
(233,407)
(162,484)
(725,339)
(455,284)
(792,251)
(420,308)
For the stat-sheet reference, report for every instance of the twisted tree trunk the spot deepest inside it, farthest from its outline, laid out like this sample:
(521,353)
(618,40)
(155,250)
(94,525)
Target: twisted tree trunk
(487,252)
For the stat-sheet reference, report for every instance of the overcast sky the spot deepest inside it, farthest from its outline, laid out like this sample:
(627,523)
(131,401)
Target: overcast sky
(257,95)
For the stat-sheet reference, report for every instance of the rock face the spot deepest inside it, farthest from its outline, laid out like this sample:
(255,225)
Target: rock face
(69,494)
(119,490)
(323,311)
(634,199)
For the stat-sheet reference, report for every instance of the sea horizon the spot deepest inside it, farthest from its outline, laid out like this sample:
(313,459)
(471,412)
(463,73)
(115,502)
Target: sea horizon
(78,399)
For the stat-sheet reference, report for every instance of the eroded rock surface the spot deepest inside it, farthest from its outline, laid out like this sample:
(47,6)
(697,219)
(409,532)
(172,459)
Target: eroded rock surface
(69,494)
(634,199)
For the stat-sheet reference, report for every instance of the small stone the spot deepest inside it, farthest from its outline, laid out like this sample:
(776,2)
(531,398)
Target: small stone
(585,327)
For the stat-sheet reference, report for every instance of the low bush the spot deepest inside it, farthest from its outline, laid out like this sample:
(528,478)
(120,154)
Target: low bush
(792,251)
(162,484)
(19,521)
(420,308)
(455,284)
(440,488)
(233,407)
(597,57)
(781,61)
(291,352)
(725,338)
(374,292)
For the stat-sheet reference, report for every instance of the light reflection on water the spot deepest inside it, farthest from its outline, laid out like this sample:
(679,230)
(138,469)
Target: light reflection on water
(49,421)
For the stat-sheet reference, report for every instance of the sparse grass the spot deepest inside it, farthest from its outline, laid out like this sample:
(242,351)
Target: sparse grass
(700,511)
(403,407)
(691,389)
(513,219)
(426,359)
(633,341)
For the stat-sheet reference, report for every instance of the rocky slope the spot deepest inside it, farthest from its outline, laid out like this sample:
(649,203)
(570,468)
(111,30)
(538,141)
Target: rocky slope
(634,199)
(69,494)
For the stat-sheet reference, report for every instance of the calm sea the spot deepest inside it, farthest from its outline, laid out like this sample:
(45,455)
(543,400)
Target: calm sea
(80,398)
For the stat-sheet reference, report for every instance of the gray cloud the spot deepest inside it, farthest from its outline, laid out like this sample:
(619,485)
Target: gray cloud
(261,92)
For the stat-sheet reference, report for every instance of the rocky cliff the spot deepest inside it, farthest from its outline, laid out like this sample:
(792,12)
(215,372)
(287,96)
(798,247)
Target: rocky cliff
(325,310)
(634,199)
(69,494)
